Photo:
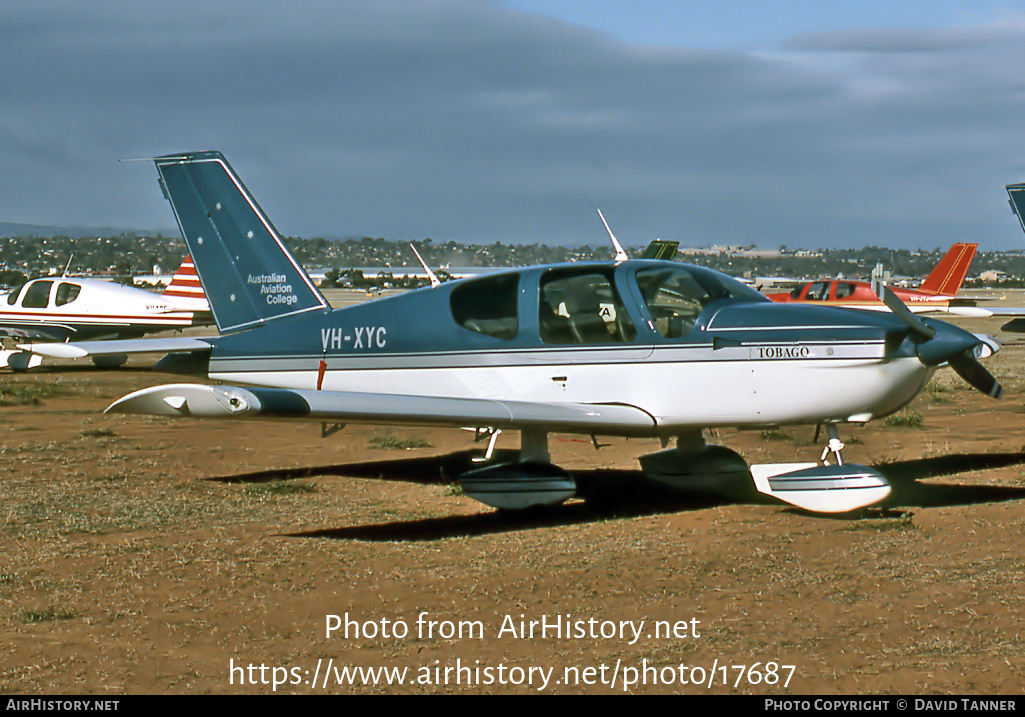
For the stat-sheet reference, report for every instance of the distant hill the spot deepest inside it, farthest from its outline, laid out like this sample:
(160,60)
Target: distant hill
(14,229)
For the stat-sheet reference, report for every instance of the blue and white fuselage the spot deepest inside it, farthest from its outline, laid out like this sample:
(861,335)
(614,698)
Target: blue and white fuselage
(743,362)
(629,348)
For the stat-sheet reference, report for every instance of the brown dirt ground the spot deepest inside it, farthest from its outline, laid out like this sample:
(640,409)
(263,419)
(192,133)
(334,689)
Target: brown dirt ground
(145,556)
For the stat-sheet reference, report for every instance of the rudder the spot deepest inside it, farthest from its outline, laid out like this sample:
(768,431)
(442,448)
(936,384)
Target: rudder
(248,275)
(661,249)
(185,289)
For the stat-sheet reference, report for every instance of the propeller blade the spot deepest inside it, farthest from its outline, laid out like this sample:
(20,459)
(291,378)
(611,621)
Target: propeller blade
(968,367)
(965,364)
(894,304)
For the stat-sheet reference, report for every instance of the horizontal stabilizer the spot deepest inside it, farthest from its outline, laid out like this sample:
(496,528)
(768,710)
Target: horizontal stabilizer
(199,400)
(125,346)
(822,489)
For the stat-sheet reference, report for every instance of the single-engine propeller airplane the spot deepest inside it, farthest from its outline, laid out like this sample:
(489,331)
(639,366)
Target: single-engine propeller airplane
(937,293)
(626,348)
(64,308)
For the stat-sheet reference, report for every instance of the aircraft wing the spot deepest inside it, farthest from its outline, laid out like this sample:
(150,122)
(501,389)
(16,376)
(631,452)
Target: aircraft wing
(123,346)
(1002,310)
(200,400)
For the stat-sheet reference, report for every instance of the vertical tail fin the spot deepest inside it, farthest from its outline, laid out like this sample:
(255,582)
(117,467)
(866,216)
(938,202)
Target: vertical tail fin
(1016,194)
(247,274)
(950,273)
(185,289)
(661,249)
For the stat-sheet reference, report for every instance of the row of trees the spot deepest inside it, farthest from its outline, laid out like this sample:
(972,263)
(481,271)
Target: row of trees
(130,255)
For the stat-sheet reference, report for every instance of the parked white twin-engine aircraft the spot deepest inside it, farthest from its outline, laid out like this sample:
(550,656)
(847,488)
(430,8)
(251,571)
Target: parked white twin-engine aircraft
(64,308)
(628,348)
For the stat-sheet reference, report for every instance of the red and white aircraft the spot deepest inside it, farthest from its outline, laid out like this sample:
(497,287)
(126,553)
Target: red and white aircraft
(937,293)
(62,308)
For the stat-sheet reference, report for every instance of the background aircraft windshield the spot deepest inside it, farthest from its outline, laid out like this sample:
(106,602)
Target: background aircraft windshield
(38,295)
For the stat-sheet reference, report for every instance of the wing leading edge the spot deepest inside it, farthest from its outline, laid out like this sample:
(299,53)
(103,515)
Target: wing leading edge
(200,400)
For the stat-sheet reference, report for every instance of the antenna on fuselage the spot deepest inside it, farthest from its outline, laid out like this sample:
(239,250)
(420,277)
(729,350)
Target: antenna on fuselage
(67,266)
(435,281)
(879,278)
(620,252)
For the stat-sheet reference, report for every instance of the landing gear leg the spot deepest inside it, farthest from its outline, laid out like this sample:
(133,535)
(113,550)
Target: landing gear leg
(495,433)
(835,445)
(534,446)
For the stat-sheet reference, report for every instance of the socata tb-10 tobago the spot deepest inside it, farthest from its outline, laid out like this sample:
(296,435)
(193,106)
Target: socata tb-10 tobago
(625,348)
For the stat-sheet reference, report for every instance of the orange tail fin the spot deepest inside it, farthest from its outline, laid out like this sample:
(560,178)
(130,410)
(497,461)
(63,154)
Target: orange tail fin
(950,273)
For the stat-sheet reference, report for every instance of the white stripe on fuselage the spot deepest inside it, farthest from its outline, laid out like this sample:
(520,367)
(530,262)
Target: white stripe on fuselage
(37,318)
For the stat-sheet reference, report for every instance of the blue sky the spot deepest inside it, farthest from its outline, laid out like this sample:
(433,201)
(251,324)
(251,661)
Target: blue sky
(486,120)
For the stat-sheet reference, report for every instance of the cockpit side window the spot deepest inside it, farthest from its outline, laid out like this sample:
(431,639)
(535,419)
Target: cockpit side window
(582,306)
(488,306)
(66,293)
(38,295)
(674,299)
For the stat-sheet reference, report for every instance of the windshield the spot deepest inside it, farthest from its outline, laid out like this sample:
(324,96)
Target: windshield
(676,295)
(12,298)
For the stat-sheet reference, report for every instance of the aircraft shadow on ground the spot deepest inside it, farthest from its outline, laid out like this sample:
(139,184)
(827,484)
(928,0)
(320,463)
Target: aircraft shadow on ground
(616,494)
(86,368)
(908,491)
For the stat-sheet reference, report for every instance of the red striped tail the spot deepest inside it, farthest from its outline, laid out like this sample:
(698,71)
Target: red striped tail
(185,283)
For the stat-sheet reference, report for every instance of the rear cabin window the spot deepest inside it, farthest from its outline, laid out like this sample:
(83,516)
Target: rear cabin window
(66,293)
(579,306)
(488,306)
(38,295)
(844,289)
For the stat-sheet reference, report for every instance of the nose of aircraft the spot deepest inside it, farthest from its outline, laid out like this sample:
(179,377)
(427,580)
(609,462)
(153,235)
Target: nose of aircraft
(938,342)
(942,342)
(956,347)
